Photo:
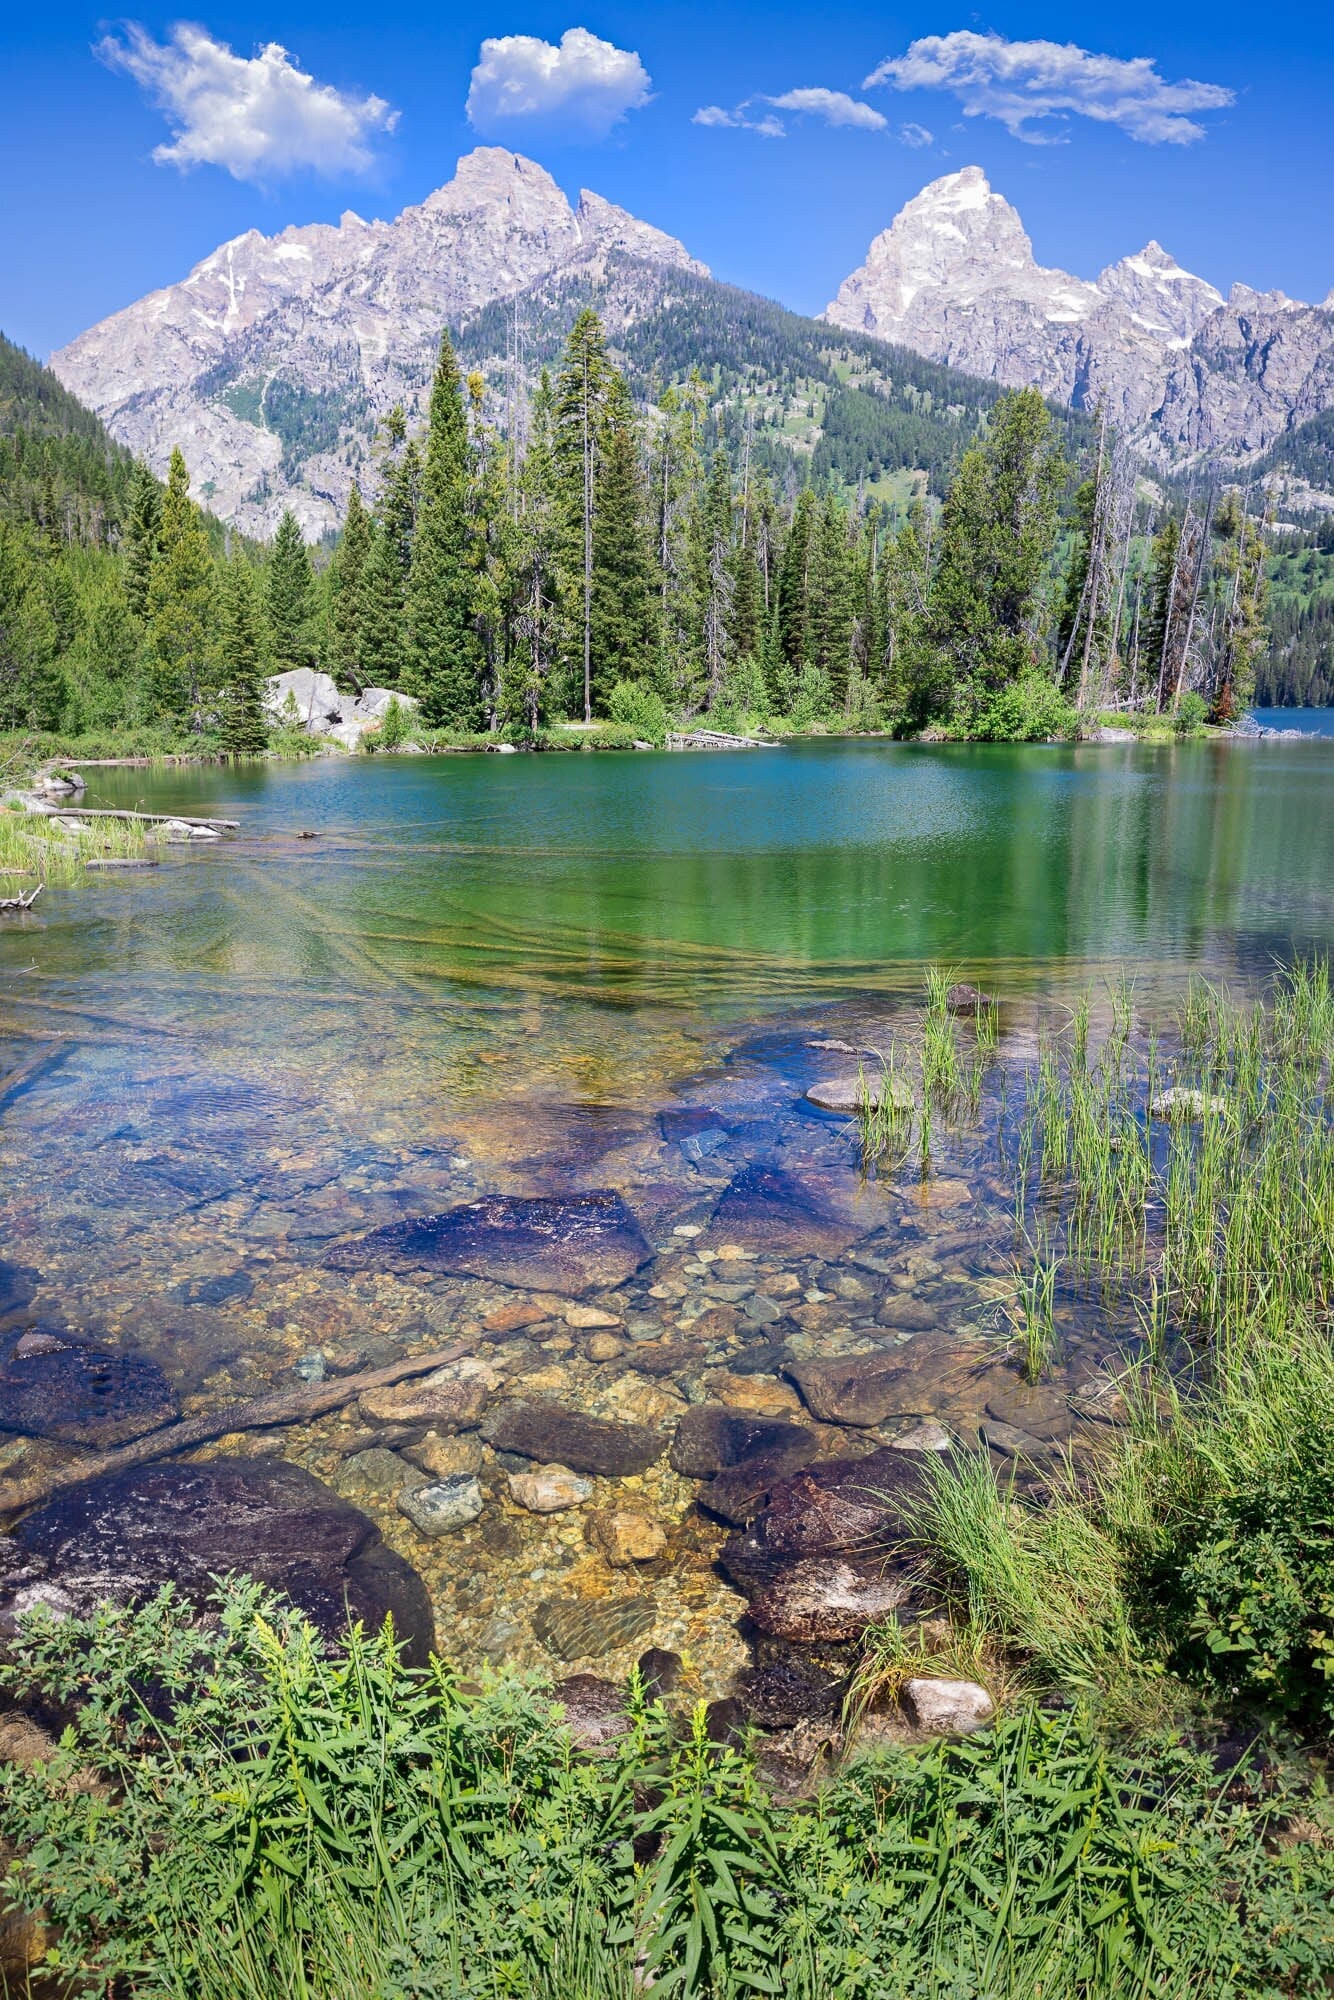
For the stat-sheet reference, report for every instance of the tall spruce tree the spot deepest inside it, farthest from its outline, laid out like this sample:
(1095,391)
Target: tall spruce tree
(180,604)
(385,579)
(997,533)
(621,608)
(443,651)
(143,530)
(347,593)
(30,678)
(288,587)
(243,730)
(581,390)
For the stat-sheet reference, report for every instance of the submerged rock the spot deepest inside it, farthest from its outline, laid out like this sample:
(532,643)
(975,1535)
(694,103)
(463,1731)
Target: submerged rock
(18,1284)
(64,1387)
(711,1438)
(788,1691)
(120,1538)
(575,1628)
(863,1390)
(593,1710)
(450,1399)
(965,999)
(554,1435)
(566,1244)
(623,1536)
(440,1507)
(834,1506)
(871,1089)
(764,1209)
(551,1489)
(1185,1107)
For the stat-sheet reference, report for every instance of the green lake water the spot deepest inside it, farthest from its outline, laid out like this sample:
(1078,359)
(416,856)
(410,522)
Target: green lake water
(495,974)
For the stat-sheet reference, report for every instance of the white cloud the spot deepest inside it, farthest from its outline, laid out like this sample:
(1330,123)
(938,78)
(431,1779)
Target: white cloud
(915,135)
(737,121)
(834,106)
(586,85)
(1023,82)
(258,116)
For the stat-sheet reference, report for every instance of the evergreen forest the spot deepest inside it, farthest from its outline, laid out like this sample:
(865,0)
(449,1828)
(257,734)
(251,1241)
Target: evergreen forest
(589,550)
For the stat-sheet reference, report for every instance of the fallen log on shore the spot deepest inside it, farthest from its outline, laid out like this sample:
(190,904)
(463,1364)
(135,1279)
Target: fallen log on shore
(286,1406)
(53,807)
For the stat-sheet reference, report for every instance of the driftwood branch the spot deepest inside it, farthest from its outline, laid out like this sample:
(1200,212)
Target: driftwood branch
(23,1073)
(23,901)
(287,1406)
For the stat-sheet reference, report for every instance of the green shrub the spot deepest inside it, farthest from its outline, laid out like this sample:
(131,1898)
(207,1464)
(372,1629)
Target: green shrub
(393,725)
(273,1818)
(1243,1585)
(1190,714)
(640,709)
(1031,709)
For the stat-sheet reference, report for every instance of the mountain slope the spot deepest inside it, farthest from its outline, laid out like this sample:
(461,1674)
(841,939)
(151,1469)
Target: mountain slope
(59,465)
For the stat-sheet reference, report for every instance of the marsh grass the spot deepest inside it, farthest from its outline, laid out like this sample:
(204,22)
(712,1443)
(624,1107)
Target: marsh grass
(1201,1230)
(32,849)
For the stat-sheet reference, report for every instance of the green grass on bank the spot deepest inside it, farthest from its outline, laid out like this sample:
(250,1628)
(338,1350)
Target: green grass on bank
(33,849)
(1183,1568)
(233,1813)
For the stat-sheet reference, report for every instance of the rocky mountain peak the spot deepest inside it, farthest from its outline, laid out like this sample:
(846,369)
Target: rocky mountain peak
(344,319)
(954,277)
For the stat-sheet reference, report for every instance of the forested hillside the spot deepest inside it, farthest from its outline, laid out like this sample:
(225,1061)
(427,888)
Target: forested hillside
(59,467)
(1297,670)
(806,401)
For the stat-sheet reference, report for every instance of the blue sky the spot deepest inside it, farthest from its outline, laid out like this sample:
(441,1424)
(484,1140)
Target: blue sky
(1217,141)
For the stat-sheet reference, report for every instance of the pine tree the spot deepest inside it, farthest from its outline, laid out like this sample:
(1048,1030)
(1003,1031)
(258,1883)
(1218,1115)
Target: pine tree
(1244,590)
(31,684)
(794,584)
(180,603)
(243,731)
(143,530)
(581,390)
(347,585)
(997,533)
(534,620)
(287,595)
(832,606)
(621,607)
(385,578)
(444,656)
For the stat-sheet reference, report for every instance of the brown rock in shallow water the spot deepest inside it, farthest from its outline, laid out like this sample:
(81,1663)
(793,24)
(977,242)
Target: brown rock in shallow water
(577,1629)
(624,1536)
(764,1209)
(120,1538)
(965,999)
(60,1386)
(566,1244)
(554,1435)
(838,1505)
(711,1438)
(451,1399)
(921,1379)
